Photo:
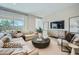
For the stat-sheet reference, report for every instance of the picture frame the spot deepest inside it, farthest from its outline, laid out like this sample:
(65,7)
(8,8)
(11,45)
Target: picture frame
(74,24)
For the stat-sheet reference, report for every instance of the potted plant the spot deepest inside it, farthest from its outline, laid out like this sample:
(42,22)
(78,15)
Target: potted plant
(39,30)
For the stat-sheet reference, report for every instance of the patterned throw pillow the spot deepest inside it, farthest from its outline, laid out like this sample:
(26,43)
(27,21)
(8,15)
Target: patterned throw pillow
(12,45)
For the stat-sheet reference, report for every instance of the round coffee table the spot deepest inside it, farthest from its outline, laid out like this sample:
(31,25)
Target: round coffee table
(41,44)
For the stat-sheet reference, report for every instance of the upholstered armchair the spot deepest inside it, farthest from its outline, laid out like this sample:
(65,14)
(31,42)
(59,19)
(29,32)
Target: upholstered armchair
(64,43)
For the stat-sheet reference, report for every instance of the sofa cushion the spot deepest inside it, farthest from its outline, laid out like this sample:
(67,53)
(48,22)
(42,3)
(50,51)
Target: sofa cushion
(12,45)
(5,39)
(65,43)
(1,43)
(19,52)
(1,35)
(5,51)
(56,33)
(28,47)
(69,36)
(19,41)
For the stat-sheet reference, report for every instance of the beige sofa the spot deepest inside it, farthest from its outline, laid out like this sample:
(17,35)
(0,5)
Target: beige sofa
(17,51)
(28,36)
(25,49)
(56,33)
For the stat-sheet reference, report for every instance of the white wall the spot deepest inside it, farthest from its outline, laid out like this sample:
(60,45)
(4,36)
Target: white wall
(64,15)
(31,23)
(39,23)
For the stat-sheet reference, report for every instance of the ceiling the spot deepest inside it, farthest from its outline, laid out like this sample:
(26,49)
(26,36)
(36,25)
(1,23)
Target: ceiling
(38,9)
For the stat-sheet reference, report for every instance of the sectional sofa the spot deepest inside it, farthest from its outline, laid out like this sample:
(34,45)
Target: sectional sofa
(17,45)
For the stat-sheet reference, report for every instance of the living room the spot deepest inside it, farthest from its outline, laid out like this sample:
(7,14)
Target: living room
(39,29)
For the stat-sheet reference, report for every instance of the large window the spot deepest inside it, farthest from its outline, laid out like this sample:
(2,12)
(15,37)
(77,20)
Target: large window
(74,24)
(18,24)
(11,24)
(39,23)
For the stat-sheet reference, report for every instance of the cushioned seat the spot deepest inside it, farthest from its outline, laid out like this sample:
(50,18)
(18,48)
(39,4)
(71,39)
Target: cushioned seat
(15,49)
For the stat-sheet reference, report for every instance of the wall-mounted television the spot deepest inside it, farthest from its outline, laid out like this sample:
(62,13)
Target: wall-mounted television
(57,25)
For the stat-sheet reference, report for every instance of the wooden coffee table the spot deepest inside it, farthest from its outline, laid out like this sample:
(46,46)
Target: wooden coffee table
(41,44)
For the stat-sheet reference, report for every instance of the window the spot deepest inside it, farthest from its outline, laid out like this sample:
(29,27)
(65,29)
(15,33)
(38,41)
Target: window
(18,24)
(39,23)
(74,24)
(10,24)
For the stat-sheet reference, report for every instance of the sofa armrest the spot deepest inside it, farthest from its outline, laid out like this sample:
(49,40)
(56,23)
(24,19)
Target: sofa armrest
(29,37)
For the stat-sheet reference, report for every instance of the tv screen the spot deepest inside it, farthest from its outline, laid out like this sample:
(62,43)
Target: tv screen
(57,25)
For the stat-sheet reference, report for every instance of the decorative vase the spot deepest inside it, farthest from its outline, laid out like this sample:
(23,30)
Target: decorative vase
(45,35)
(39,37)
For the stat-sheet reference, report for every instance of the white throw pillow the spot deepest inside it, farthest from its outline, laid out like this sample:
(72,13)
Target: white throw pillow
(1,43)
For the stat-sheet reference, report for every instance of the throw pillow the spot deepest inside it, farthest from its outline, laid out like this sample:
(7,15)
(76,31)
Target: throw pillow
(69,36)
(19,35)
(5,39)
(12,45)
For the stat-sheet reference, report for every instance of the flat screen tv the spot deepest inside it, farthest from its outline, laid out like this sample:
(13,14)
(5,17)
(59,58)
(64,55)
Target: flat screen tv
(57,25)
